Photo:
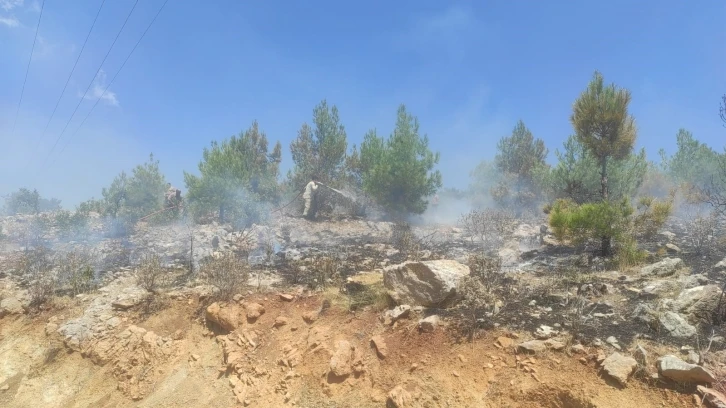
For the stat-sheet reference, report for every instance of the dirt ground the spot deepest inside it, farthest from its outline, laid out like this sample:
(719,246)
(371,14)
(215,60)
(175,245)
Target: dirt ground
(290,365)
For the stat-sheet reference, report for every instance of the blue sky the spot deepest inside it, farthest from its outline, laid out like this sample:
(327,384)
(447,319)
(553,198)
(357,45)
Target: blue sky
(468,70)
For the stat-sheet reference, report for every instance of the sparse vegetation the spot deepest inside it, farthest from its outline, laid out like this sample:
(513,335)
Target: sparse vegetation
(477,292)
(76,271)
(490,226)
(150,274)
(227,273)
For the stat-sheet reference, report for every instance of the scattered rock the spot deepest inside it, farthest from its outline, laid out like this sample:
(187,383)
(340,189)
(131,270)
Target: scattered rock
(697,301)
(287,297)
(281,321)
(50,329)
(427,283)
(578,349)
(544,332)
(676,326)
(428,324)
(656,289)
(505,342)
(380,345)
(641,356)
(398,312)
(678,370)
(226,317)
(554,344)
(399,397)
(341,362)
(311,316)
(127,302)
(720,266)
(9,306)
(714,398)
(619,367)
(254,311)
(672,249)
(666,267)
(532,346)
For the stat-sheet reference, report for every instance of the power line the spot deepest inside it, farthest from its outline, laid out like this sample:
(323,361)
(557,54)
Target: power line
(92,80)
(27,70)
(114,77)
(72,69)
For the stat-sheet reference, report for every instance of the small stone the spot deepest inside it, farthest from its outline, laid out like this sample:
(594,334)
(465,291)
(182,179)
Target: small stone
(532,346)
(195,357)
(281,321)
(619,367)
(505,342)
(428,324)
(380,346)
(578,349)
(287,297)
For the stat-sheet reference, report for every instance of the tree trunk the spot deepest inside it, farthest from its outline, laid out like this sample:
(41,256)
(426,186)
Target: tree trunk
(605,239)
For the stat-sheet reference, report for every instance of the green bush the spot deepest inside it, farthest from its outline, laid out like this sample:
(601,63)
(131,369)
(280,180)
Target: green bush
(70,225)
(619,221)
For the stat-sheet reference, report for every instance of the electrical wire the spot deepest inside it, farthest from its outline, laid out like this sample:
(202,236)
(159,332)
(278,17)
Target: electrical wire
(27,70)
(114,77)
(91,83)
(72,70)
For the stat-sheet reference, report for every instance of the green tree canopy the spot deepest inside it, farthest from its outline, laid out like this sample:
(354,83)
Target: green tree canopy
(235,175)
(694,162)
(398,172)
(603,125)
(577,176)
(128,199)
(520,154)
(319,149)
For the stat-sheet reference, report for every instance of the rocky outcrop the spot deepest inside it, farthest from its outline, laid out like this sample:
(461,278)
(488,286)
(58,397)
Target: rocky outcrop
(427,283)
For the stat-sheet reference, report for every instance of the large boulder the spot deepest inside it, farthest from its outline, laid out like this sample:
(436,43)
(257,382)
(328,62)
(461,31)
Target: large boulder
(426,283)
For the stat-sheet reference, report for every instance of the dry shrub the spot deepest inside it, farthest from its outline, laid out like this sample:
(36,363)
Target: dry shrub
(326,271)
(402,238)
(228,273)
(407,243)
(701,227)
(477,291)
(37,266)
(150,273)
(76,271)
(652,214)
(491,226)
